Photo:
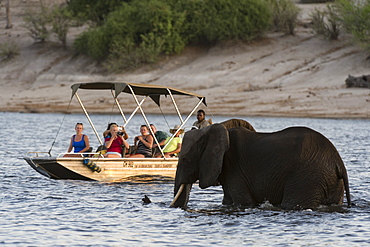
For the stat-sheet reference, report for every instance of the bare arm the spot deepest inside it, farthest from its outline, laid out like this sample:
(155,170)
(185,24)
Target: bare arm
(148,142)
(124,142)
(161,143)
(177,150)
(70,145)
(136,140)
(110,141)
(125,135)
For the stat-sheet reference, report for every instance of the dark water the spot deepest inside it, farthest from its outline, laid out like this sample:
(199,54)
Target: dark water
(37,211)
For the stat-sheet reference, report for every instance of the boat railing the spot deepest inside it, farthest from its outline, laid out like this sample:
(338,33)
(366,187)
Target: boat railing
(99,155)
(36,154)
(82,155)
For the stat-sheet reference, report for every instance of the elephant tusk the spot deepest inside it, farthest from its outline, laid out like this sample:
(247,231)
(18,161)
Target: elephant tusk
(177,195)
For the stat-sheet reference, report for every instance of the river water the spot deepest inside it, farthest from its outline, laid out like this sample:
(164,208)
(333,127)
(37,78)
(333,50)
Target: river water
(37,211)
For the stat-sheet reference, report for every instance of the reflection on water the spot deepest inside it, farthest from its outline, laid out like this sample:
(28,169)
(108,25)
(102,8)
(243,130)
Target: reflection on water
(36,211)
(145,179)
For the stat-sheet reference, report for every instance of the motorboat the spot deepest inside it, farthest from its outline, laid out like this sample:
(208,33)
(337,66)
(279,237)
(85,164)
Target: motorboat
(93,166)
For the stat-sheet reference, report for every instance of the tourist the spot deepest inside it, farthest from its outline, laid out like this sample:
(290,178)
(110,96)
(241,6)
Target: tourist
(114,142)
(173,148)
(143,143)
(79,142)
(201,122)
(159,135)
(120,129)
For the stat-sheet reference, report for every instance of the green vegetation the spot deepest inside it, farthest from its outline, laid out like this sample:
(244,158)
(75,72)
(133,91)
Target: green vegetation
(93,11)
(315,1)
(355,18)
(326,23)
(47,21)
(284,15)
(8,51)
(36,23)
(125,34)
(210,21)
(61,20)
(352,17)
(138,31)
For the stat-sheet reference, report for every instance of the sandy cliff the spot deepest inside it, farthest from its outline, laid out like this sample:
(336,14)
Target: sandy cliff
(301,75)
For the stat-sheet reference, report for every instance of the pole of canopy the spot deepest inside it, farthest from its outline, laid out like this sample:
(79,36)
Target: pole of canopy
(156,141)
(144,116)
(139,105)
(194,109)
(119,107)
(134,112)
(175,105)
(88,118)
(52,145)
(184,121)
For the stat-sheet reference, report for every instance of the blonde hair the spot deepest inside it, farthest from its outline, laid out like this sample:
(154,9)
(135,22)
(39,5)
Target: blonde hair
(113,126)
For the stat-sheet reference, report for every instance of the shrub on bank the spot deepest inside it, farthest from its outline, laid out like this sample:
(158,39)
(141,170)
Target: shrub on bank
(284,15)
(134,34)
(355,17)
(43,23)
(352,17)
(210,21)
(60,21)
(8,51)
(93,43)
(315,1)
(141,30)
(326,23)
(93,11)
(36,22)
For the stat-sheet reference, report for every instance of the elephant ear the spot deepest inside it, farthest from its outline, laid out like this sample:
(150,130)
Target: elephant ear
(187,171)
(215,142)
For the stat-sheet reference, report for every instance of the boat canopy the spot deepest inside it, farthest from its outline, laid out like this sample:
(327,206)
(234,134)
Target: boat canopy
(150,90)
(147,90)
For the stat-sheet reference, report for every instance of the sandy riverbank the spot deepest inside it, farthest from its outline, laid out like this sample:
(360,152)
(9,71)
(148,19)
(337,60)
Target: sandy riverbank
(300,76)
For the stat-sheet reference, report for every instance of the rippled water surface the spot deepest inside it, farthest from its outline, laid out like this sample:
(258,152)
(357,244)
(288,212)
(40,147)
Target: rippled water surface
(37,211)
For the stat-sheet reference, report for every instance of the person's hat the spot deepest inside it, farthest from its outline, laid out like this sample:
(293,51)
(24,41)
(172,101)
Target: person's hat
(175,128)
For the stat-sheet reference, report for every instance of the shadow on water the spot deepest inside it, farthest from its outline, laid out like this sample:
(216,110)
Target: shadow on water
(144,179)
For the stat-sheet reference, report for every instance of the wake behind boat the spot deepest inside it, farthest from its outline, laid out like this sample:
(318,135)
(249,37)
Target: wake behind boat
(95,166)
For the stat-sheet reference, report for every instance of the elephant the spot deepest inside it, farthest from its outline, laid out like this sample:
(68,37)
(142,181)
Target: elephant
(295,168)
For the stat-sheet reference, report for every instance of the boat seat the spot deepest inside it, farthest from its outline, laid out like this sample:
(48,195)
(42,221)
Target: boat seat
(101,147)
(124,151)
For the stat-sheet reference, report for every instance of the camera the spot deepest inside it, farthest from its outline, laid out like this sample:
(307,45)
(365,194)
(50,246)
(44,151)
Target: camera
(120,131)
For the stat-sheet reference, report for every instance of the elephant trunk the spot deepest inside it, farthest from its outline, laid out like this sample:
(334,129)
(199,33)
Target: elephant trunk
(181,196)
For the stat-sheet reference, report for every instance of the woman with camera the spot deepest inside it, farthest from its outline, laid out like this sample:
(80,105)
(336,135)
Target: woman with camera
(114,142)
(121,129)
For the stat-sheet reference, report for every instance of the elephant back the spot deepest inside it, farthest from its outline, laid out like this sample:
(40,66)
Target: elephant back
(233,123)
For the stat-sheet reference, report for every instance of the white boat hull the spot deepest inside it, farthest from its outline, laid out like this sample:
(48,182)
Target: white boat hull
(112,169)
